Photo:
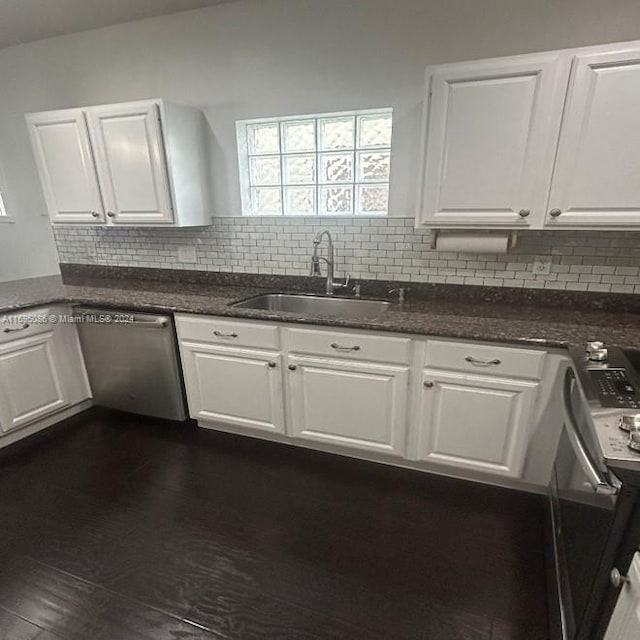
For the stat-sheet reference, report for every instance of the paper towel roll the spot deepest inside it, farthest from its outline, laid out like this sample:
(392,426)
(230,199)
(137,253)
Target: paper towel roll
(478,242)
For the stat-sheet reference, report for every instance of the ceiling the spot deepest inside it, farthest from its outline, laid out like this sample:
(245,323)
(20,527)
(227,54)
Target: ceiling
(28,20)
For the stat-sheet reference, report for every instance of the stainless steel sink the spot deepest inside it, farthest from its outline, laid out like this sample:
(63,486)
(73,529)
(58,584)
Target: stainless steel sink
(320,305)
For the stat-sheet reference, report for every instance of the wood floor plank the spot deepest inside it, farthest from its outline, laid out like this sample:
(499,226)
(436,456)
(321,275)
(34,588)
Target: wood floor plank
(125,528)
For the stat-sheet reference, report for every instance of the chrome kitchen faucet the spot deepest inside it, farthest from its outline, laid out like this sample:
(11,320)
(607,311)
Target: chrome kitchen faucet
(315,263)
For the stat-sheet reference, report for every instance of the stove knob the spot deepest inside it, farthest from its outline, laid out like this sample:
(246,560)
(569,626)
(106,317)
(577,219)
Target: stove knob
(629,422)
(593,346)
(599,355)
(634,440)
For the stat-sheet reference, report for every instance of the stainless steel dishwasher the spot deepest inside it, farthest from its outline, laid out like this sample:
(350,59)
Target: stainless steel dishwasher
(132,361)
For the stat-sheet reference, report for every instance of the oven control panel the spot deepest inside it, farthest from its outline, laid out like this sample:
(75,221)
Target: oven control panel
(615,389)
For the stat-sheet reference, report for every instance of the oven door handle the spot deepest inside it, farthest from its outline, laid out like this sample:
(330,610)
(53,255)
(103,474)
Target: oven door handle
(596,479)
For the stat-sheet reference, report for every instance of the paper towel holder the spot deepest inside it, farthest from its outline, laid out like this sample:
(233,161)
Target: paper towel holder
(513,237)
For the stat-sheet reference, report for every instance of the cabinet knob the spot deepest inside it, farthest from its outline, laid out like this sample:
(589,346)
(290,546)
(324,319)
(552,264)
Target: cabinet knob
(95,214)
(272,365)
(523,213)
(111,214)
(554,213)
(617,579)
(292,367)
(428,384)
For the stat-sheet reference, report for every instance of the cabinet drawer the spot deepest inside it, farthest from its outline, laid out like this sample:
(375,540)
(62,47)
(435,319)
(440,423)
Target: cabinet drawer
(229,332)
(486,359)
(351,345)
(25,323)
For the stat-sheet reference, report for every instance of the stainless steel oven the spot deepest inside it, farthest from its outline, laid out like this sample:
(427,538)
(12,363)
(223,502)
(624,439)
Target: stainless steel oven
(595,522)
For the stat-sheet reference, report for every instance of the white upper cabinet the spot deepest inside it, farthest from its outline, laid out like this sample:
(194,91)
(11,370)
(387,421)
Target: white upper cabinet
(595,181)
(129,154)
(490,135)
(140,163)
(65,163)
(535,141)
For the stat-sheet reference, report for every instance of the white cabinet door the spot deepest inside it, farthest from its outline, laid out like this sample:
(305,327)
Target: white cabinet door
(352,404)
(127,140)
(240,387)
(31,386)
(625,621)
(595,180)
(490,137)
(475,422)
(66,166)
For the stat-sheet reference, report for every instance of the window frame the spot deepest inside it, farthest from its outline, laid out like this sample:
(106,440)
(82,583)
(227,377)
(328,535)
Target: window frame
(245,156)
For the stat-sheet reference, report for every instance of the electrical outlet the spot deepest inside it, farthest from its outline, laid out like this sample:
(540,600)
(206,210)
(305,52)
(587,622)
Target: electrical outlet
(542,265)
(187,254)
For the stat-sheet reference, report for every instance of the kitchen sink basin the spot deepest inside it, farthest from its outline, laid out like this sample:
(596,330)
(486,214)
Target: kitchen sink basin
(320,305)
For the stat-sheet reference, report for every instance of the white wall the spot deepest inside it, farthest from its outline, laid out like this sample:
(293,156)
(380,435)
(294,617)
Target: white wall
(259,58)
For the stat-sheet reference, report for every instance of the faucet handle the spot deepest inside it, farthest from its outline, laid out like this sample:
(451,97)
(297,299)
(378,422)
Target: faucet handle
(342,285)
(402,293)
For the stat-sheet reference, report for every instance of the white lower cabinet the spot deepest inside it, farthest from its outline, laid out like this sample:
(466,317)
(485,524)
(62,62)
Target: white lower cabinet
(41,369)
(625,621)
(240,387)
(30,380)
(347,403)
(428,402)
(475,422)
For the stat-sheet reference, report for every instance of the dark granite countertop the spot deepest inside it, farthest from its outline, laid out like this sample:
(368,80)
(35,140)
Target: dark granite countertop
(528,321)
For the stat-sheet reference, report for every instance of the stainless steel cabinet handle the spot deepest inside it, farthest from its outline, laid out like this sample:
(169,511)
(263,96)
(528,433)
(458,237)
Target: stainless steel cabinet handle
(617,579)
(292,367)
(523,213)
(554,213)
(111,214)
(22,328)
(220,334)
(337,347)
(428,384)
(272,365)
(482,363)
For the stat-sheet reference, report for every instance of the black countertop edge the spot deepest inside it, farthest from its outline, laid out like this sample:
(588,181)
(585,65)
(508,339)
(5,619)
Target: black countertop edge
(535,324)
(594,301)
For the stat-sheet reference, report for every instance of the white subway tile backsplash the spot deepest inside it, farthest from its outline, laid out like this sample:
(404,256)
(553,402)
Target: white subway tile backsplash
(373,248)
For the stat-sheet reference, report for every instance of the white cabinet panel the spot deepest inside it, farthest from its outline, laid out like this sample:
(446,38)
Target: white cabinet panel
(351,404)
(625,621)
(490,138)
(240,387)
(30,383)
(475,422)
(131,162)
(595,180)
(66,167)
(137,163)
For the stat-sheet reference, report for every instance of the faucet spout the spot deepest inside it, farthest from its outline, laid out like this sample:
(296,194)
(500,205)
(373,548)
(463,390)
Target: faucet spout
(315,259)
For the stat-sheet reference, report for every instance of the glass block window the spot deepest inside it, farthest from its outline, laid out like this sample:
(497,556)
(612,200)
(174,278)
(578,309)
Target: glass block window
(329,164)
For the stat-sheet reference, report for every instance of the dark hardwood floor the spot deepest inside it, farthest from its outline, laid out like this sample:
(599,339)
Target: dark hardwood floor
(124,528)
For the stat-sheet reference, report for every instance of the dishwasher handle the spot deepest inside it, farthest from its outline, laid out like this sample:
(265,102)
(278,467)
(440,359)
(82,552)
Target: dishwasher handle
(124,318)
(597,479)
(157,323)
